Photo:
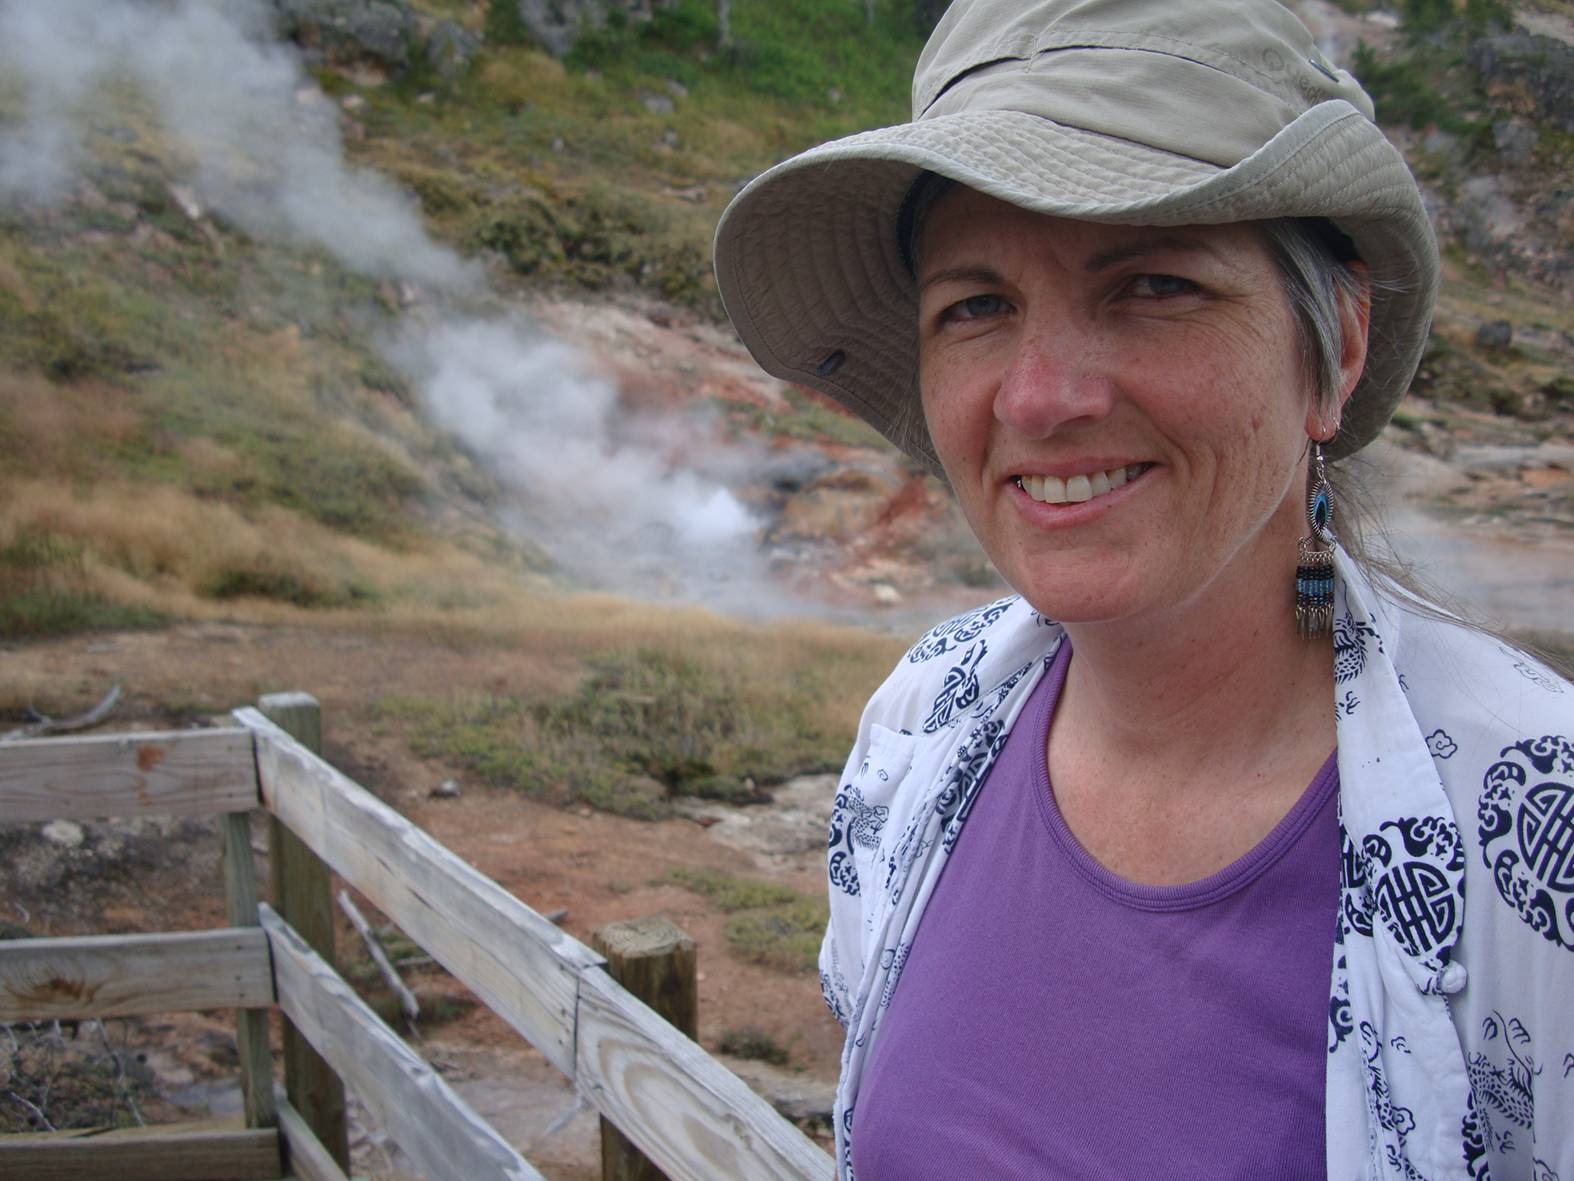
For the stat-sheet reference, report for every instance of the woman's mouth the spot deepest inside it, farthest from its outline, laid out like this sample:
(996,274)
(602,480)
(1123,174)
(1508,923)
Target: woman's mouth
(1077,489)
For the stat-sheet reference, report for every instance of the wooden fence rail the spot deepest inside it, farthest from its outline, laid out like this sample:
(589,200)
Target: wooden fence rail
(693,1118)
(181,773)
(437,1129)
(133,975)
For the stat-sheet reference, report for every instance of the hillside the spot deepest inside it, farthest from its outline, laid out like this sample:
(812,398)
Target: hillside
(255,383)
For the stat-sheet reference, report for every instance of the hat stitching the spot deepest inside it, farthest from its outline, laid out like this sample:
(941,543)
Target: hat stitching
(1149,42)
(1020,44)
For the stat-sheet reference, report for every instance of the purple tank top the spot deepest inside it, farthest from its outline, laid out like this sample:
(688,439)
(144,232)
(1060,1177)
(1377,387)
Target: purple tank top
(1057,1021)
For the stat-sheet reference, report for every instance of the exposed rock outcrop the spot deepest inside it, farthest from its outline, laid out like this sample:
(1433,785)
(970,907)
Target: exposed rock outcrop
(557,24)
(382,31)
(1528,74)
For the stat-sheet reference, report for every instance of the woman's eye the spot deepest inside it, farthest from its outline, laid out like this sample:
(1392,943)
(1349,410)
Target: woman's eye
(1161,286)
(976,307)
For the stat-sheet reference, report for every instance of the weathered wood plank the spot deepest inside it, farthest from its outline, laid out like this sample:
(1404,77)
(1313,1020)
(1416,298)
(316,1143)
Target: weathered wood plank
(144,1154)
(693,1117)
(128,975)
(251,1025)
(307,1159)
(524,968)
(184,772)
(438,1131)
(300,885)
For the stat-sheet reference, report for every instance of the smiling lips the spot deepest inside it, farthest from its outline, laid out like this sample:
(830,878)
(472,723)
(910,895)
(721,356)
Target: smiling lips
(1076,489)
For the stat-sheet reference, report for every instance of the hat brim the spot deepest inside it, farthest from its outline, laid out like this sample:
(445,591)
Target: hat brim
(811,271)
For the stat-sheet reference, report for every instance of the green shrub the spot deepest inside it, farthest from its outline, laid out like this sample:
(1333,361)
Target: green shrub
(643,727)
(754,1044)
(267,579)
(41,592)
(504,25)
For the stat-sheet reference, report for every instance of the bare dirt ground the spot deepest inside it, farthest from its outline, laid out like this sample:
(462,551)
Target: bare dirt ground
(599,867)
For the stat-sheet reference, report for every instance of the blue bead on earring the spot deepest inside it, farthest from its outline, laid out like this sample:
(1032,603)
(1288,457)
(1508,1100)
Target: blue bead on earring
(1314,571)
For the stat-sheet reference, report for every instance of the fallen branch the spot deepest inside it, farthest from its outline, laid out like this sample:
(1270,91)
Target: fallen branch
(82,721)
(408,1005)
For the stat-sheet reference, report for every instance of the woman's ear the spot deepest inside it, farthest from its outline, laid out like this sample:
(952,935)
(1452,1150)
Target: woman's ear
(1355,318)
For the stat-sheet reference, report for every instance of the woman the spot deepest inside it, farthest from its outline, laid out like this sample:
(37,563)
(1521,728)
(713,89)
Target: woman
(1269,866)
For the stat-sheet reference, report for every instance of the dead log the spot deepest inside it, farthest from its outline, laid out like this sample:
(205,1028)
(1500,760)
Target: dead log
(408,1005)
(82,721)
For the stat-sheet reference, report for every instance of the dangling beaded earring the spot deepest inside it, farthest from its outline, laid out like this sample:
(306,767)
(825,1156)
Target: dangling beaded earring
(1314,573)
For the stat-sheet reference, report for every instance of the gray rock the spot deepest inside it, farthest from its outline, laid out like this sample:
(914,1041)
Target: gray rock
(1540,69)
(334,30)
(1493,336)
(446,790)
(657,104)
(557,24)
(1516,139)
(450,48)
(66,833)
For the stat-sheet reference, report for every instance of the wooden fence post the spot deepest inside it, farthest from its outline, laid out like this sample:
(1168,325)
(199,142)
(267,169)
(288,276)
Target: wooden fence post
(301,893)
(657,962)
(251,1025)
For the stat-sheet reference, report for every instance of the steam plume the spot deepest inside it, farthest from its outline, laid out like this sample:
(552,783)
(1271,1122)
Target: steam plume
(266,153)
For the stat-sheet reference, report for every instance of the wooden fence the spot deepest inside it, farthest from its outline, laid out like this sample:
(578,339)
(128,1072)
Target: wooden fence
(691,1116)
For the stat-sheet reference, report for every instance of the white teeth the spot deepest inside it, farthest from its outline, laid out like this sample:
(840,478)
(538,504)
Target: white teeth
(1076,489)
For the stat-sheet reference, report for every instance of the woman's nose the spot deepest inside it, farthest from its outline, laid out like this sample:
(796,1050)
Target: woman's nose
(1054,377)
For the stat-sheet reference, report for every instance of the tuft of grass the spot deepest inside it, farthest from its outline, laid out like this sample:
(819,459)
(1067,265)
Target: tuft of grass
(726,891)
(264,577)
(772,925)
(42,591)
(752,1043)
(596,237)
(786,938)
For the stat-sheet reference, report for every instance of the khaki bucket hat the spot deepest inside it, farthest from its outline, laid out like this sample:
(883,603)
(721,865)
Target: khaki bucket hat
(1141,112)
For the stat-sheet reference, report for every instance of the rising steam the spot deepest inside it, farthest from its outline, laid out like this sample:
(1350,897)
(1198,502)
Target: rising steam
(601,489)
(265,153)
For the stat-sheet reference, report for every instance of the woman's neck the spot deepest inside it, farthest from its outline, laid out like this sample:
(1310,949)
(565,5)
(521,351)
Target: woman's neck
(1220,685)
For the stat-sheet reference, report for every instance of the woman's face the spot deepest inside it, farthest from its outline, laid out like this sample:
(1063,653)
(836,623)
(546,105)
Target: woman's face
(1120,409)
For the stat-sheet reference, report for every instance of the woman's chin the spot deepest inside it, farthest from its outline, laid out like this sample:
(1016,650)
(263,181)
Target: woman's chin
(1076,604)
